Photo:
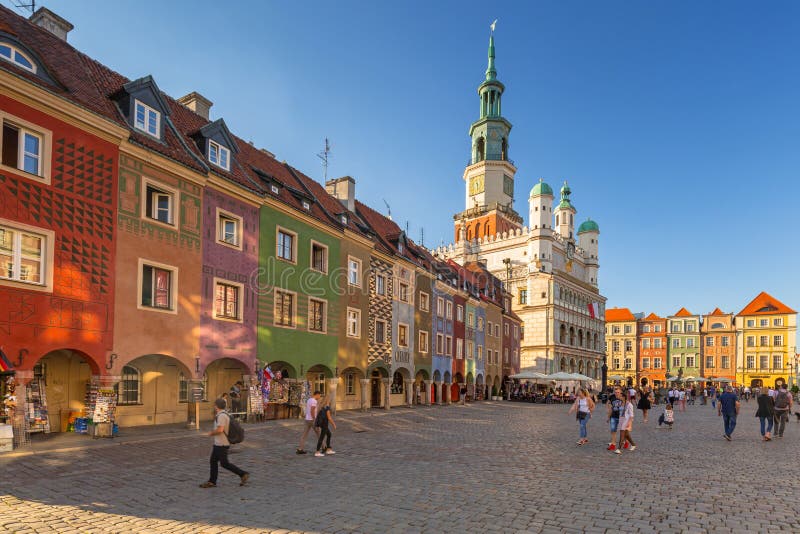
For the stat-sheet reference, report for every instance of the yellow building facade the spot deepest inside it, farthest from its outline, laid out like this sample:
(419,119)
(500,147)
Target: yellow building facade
(766,337)
(621,346)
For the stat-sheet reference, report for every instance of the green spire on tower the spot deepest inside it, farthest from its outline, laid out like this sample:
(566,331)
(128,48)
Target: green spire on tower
(491,73)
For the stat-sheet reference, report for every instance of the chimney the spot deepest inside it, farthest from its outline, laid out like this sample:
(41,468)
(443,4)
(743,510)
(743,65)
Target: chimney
(51,22)
(344,189)
(197,103)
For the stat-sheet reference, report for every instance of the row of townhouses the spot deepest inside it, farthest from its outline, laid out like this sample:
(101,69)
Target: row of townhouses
(755,347)
(147,248)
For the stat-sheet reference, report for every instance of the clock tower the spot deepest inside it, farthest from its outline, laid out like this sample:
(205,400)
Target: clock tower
(489,176)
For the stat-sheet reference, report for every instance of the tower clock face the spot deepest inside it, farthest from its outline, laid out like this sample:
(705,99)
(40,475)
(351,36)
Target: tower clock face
(476,185)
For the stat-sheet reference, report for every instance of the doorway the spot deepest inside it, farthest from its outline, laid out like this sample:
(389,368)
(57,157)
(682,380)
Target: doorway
(375,389)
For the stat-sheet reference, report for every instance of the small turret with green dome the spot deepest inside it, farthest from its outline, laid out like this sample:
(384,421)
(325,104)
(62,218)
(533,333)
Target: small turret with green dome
(588,226)
(541,188)
(565,202)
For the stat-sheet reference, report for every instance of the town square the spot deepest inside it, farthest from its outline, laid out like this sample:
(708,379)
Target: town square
(398,267)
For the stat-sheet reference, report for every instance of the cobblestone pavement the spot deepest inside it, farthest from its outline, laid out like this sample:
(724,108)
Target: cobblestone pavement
(491,467)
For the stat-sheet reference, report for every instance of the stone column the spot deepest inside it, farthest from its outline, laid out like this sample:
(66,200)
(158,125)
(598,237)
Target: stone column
(409,391)
(438,393)
(364,394)
(332,384)
(427,385)
(387,392)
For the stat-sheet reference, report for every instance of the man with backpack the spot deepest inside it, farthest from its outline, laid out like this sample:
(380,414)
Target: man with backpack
(224,428)
(783,405)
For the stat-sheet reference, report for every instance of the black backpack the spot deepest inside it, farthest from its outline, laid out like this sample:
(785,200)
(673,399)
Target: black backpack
(782,401)
(235,431)
(321,419)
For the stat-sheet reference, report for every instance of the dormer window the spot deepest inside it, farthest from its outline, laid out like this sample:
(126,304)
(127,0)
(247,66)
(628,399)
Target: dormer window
(274,189)
(306,205)
(219,155)
(16,56)
(344,219)
(147,120)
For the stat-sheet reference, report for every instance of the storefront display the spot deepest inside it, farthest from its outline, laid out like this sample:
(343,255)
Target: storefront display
(38,419)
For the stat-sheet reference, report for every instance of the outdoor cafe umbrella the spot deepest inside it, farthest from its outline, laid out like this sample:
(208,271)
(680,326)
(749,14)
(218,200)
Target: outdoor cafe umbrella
(582,378)
(560,377)
(721,380)
(529,375)
(615,377)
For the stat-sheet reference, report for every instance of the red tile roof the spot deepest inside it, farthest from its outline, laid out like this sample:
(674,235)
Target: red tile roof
(717,312)
(683,312)
(653,317)
(619,314)
(765,304)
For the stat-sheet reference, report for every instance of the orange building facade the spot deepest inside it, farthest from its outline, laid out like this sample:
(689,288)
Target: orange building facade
(652,363)
(718,346)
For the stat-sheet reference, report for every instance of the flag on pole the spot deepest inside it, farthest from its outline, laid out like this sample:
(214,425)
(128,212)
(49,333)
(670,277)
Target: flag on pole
(594,309)
(5,364)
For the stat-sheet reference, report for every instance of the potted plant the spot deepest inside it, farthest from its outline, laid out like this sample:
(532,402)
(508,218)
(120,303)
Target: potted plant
(494,393)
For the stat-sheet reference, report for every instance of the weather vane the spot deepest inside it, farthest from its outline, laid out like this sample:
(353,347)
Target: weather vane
(493,25)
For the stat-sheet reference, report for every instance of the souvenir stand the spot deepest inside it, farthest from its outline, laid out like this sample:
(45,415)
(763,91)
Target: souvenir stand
(100,405)
(255,402)
(8,409)
(280,397)
(36,415)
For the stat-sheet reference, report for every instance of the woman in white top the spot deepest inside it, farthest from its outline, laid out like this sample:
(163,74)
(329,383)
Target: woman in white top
(582,407)
(682,398)
(625,426)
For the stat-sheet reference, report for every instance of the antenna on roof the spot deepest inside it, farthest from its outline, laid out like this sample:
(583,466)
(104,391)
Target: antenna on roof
(31,6)
(325,156)
(389,215)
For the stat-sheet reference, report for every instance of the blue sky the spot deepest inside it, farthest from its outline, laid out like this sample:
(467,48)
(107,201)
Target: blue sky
(676,123)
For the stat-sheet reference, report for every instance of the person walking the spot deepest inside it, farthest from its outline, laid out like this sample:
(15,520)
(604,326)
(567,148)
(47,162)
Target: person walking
(625,427)
(645,401)
(583,407)
(766,414)
(311,415)
(613,412)
(682,399)
(219,453)
(323,421)
(783,406)
(728,409)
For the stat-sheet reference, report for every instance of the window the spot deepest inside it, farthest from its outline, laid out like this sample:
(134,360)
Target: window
(306,205)
(380,331)
(645,363)
(470,350)
(628,345)
(615,329)
(480,324)
(657,328)
(25,256)
(489,328)
(763,322)
(627,329)
(460,349)
(777,341)
(316,315)
(645,343)
(439,344)
(764,341)
(751,341)
(690,342)
(505,328)
(523,296)
(751,323)
(284,308)
(777,322)
(397,387)
(402,291)
(228,229)
(690,327)
(751,361)
(460,313)
(147,120)
(423,341)
(709,362)
(657,343)
(23,148)
(449,310)
(129,389)
(777,361)
(159,203)
(709,341)
(227,298)
(380,284)
(676,362)
(402,335)
(676,327)
(318,382)
(158,286)
(14,55)
(726,362)
(763,361)
(286,245)
(183,388)
(480,352)
(690,360)
(440,306)
(628,363)
(274,189)
(353,322)
(646,328)
(505,355)
(615,346)
(353,271)
(319,257)
(676,343)
(448,345)
(424,302)
(470,319)
(516,332)
(219,155)
(350,384)
(656,363)
(616,363)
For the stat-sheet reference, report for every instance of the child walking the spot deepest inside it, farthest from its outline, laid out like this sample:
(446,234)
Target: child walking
(625,426)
